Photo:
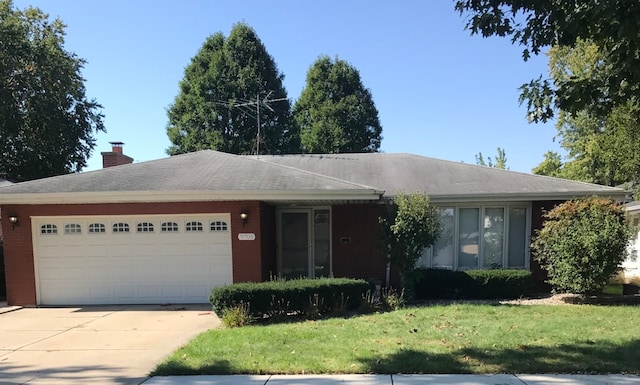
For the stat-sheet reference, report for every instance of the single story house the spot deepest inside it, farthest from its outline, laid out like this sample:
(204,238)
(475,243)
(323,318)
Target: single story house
(166,231)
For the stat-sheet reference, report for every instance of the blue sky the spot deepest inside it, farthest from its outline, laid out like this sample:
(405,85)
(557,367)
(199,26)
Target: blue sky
(439,91)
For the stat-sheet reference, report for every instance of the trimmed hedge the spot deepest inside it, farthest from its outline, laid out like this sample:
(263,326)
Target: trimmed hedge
(324,294)
(471,284)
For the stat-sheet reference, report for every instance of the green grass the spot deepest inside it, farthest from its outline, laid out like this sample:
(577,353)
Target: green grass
(436,339)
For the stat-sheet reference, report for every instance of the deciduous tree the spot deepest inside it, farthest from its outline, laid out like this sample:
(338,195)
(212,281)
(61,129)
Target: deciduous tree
(412,224)
(613,26)
(335,112)
(47,124)
(600,149)
(500,160)
(216,107)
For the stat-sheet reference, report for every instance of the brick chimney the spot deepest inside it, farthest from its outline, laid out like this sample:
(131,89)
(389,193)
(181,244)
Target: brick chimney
(115,157)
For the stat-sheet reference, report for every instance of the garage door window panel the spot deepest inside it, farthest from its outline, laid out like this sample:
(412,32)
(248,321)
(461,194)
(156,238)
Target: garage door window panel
(193,226)
(169,227)
(144,227)
(97,228)
(121,227)
(218,226)
(72,228)
(48,229)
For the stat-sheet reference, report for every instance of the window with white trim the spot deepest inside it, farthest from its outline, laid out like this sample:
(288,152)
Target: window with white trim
(481,236)
(169,227)
(193,226)
(218,226)
(96,228)
(48,229)
(72,228)
(144,227)
(120,227)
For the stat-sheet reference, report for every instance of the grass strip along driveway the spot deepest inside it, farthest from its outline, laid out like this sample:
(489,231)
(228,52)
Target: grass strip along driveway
(454,338)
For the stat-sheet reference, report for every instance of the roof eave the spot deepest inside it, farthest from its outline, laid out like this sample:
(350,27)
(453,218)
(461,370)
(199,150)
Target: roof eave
(524,197)
(187,196)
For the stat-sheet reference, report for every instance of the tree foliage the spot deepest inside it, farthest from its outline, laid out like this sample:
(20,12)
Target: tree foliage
(601,149)
(582,244)
(216,106)
(551,165)
(413,224)
(500,160)
(613,26)
(47,123)
(335,112)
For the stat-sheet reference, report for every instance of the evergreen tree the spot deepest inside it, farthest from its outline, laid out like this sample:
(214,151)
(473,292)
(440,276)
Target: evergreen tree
(335,112)
(216,107)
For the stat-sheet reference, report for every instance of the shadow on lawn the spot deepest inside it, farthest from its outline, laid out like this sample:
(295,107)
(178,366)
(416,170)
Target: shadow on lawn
(581,357)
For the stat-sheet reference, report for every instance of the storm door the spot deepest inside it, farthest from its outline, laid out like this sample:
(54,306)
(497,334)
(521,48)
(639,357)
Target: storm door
(304,243)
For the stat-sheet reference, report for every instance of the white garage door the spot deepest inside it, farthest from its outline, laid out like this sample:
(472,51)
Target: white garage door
(131,259)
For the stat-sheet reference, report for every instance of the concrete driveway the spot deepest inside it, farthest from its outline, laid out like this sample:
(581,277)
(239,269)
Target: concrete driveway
(96,345)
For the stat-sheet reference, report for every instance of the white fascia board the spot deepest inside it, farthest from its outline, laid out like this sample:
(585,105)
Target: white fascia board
(186,196)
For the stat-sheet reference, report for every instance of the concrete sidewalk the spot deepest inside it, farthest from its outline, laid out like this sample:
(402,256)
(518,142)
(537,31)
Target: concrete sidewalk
(400,379)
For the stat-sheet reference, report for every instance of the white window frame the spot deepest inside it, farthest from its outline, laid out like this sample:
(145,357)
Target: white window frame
(427,259)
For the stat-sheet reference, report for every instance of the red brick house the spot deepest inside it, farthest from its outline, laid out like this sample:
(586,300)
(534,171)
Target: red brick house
(170,229)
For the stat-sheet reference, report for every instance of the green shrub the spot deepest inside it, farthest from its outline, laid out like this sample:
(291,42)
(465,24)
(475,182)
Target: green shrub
(582,244)
(439,284)
(502,283)
(370,302)
(471,284)
(392,300)
(237,316)
(298,296)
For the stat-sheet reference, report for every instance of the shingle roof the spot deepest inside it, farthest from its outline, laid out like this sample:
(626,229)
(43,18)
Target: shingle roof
(438,178)
(207,173)
(202,170)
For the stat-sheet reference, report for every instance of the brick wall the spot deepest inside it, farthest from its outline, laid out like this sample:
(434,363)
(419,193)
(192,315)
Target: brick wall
(268,231)
(358,250)
(110,159)
(538,208)
(248,264)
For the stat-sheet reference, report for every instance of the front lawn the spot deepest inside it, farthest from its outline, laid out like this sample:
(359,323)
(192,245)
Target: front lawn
(454,338)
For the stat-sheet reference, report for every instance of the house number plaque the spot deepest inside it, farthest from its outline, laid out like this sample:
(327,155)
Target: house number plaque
(246,236)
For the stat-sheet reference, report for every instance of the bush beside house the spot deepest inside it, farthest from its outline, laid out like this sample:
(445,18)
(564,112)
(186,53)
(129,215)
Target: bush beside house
(282,297)
(582,244)
(429,284)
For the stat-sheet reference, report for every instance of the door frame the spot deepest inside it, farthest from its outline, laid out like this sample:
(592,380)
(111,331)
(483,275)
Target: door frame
(311,212)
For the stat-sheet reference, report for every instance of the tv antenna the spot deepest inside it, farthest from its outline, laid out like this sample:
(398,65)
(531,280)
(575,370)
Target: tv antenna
(264,102)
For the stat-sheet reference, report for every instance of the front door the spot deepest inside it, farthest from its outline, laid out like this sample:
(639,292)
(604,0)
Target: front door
(304,243)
